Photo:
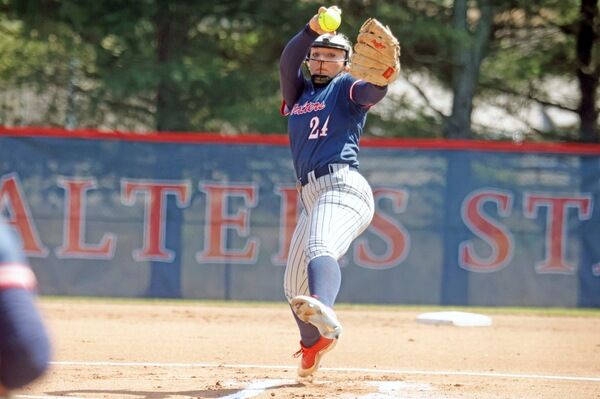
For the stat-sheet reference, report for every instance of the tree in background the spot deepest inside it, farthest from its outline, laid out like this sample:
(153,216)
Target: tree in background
(541,53)
(153,64)
(469,45)
(588,70)
(516,57)
(212,66)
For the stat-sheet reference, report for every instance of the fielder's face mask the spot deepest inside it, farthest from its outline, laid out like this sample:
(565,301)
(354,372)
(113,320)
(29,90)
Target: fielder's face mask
(328,41)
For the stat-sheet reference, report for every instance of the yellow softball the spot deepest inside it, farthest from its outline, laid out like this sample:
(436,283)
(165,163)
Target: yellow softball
(330,20)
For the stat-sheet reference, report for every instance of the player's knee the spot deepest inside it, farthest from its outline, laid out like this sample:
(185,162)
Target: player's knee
(317,247)
(288,293)
(25,361)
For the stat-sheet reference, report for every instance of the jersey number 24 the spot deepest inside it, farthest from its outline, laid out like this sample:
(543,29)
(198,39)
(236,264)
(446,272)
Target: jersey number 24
(315,131)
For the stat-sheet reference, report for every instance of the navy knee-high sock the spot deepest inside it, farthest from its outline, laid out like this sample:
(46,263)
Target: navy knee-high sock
(324,279)
(309,334)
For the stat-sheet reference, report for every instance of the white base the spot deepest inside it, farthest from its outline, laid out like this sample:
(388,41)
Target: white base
(459,319)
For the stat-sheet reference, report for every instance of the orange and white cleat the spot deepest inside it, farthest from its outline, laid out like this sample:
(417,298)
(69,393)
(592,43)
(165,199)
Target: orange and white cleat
(311,357)
(311,310)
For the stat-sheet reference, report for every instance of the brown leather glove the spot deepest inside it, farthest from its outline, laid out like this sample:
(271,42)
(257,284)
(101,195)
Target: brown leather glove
(376,57)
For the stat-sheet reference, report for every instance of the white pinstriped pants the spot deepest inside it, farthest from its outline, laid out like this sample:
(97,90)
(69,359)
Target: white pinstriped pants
(337,208)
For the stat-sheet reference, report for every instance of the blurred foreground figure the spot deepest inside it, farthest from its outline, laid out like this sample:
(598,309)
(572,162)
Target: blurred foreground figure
(24,343)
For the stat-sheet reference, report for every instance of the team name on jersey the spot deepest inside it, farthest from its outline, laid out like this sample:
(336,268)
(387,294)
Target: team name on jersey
(307,107)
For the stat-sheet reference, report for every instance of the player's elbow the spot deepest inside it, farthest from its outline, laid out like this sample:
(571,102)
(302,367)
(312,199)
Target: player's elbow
(25,360)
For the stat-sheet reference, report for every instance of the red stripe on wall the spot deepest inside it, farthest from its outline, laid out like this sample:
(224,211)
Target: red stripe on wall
(482,145)
(282,140)
(163,137)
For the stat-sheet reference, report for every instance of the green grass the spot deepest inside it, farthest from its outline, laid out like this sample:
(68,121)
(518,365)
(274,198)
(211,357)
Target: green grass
(526,311)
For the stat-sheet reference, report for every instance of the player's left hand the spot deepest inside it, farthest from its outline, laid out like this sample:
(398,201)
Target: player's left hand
(376,57)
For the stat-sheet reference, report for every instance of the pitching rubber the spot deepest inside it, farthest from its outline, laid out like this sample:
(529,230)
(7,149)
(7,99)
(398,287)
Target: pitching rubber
(311,310)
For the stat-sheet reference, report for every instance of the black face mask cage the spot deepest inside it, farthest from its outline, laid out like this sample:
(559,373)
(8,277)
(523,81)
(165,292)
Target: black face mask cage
(321,80)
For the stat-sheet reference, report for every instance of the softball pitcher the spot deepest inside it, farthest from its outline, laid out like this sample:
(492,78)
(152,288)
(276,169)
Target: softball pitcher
(326,116)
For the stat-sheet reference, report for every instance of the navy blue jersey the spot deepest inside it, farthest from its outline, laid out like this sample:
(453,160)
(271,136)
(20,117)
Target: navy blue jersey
(325,126)
(325,122)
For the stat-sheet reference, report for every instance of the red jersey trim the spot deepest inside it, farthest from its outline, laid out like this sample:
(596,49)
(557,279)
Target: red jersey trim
(284,110)
(352,91)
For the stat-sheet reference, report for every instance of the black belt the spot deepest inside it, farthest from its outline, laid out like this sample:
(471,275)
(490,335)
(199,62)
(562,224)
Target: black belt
(319,172)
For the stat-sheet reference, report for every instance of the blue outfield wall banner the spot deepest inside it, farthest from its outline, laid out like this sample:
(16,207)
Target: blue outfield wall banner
(207,216)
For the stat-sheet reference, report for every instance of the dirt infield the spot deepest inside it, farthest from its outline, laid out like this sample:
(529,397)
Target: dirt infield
(199,350)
